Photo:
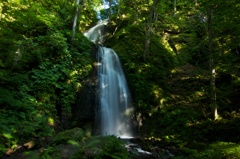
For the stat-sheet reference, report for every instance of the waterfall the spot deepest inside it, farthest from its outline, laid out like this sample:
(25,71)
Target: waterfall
(114,96)
(96,33)
(114,99)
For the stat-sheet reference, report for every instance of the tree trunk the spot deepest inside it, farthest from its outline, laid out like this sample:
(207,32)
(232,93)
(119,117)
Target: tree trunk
(1,12)
(148,28)
(212,67)
(136,11)
(110,8)
(75,20)
(196,3)
(175,6)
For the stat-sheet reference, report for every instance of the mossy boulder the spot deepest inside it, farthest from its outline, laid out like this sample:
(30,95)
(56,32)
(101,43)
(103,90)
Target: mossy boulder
(102,147)
(75,134)
(74,144)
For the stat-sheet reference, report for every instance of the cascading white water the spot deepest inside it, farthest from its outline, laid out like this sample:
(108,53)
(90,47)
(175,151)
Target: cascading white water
(115,111)
(95,34)
(114,97)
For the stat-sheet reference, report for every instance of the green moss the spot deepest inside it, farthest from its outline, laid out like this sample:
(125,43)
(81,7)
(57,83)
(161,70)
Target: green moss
(103,147)
(68,136)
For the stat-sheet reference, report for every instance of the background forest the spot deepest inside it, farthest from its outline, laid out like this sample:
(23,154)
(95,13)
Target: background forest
(181,58)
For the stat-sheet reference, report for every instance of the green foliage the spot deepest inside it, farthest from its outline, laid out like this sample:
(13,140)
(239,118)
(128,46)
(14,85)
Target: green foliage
(104,147)
(41,70)
(21,118)
(217,150)
(69,136)
(171,125)
(72,144)
(176,105)
(144,76)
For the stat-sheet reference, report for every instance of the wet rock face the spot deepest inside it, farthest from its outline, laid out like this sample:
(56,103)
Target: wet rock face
(83,111)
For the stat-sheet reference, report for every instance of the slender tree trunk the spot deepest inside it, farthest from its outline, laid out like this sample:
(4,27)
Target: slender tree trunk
(195,2)
(175,6)
(75,20)
(148,28)
(136,11)
(118,8)
(0,12)
(110,8)
(212,67)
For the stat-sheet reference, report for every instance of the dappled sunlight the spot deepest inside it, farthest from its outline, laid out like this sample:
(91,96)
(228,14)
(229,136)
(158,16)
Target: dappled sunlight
(85,69)
(45,76)
(73,73)
(51,121)
(199,93)
(178,47)
(164,41)
(158,98)
(158,93)
(29,144)
(19,126)
(7,135)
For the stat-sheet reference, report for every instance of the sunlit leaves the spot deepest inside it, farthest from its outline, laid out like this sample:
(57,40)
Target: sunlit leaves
(20,117)
(7,135)
(51,68)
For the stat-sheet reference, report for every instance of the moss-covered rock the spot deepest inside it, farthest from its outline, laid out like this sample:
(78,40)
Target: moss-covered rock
(75,134)
(103,147)
(72,146)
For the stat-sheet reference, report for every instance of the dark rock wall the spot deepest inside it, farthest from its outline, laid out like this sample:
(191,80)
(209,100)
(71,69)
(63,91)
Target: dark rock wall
(84,109)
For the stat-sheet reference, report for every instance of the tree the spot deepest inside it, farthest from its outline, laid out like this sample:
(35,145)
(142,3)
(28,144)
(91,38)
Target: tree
(217,32)
(41,70)
(75,20)
(149,27)
(212,65)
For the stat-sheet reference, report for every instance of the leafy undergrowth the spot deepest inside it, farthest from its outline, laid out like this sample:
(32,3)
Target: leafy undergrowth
(216,150)
(74,144)
(183,123)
